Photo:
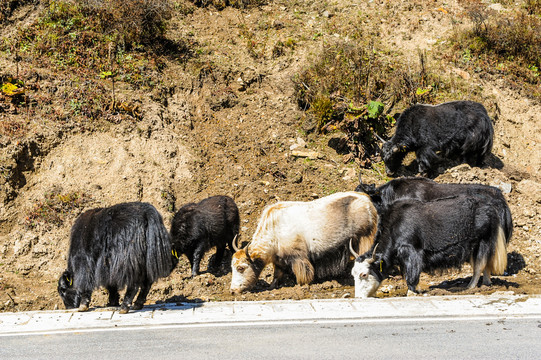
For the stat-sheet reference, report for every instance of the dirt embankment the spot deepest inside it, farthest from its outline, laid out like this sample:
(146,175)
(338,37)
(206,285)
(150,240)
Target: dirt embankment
(230,130)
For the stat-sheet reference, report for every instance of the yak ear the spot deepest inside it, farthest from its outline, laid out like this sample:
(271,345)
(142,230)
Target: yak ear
(67,279)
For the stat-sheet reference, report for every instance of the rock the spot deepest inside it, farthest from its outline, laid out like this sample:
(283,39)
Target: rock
(463,74)
(297,179)
(496,7)
(312,155)
(503,186)
(348,174)
(531,188)
(24,244)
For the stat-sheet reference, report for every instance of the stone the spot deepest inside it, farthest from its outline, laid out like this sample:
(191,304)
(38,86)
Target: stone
(312,155)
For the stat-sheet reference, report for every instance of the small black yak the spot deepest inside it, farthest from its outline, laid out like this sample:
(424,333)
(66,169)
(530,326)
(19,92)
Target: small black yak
(125,245)
(422,236)
(424,189)
(457,129)
(196,228)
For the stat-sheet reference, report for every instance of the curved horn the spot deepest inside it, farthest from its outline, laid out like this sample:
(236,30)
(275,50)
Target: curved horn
(373,255)
(351,249)
(234,243)
(379,137)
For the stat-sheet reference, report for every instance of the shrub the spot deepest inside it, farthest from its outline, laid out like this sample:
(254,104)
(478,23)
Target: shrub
(55,206)
(352,87)
(502,42)
(132,21)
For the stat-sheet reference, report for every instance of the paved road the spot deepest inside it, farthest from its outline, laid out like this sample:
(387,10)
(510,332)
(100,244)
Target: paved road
(462,327)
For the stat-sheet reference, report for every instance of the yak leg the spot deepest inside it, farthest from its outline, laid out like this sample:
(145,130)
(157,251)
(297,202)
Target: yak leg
(478,266)
(114,297)
(196,259)
(412,265)
(131,291)
(486,277)
(303,270)
(218,257)
(85,300)
(278,276)
(426,157)
(142,296)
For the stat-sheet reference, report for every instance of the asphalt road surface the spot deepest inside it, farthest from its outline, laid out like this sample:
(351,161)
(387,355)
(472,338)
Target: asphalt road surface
(443,338)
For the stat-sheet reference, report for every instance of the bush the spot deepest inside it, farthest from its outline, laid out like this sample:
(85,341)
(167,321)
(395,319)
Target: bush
(54,208)
(353,87)
(129,21)
(503,42)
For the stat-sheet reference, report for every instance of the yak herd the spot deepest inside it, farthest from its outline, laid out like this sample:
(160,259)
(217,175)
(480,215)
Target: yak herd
(412,224)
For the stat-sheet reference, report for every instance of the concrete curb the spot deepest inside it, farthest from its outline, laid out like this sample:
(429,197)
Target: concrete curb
(250,313)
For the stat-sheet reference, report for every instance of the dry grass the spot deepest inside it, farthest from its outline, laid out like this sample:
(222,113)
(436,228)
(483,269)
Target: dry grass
(502,42)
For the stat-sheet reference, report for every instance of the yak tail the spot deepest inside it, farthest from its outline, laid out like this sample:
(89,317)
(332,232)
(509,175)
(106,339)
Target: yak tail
(303,270)
(498,262)
(159,259)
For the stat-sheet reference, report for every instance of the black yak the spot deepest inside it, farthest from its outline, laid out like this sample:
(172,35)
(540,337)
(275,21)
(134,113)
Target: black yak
(422,236)
(125,245)
(310,238)
(197,227)
(425,189)
(457,129)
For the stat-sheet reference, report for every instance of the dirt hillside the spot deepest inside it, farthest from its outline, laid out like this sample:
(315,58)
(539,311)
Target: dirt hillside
(225,122)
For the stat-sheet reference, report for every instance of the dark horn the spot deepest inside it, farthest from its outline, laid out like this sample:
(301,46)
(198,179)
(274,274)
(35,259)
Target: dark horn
(247,254)
(351,249)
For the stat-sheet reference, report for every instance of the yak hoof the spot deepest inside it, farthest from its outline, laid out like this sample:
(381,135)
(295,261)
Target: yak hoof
(124,310)
(137,306)
(83,308)
(411,293)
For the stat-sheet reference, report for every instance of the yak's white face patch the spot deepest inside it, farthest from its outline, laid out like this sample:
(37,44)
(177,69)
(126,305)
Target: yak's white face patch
(243,276)
(366,284)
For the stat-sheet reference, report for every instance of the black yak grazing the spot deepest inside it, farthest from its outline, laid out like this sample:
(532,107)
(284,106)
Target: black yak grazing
(425,189)
(125,245)
(422,236)
(457,129)
(196,228)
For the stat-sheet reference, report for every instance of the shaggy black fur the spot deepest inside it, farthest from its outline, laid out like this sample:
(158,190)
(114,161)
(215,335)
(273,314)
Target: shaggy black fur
(458,129)
(198,227)
(425,189)
(422,236)
(125,245)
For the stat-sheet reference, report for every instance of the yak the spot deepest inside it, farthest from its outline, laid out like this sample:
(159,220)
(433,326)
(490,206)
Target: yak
(425,189)
(196,228)
(309,238)
(125,245)
(456,129)
(419,236)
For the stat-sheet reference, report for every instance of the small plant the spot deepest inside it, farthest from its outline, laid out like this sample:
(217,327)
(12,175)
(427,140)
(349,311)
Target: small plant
(55,206)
